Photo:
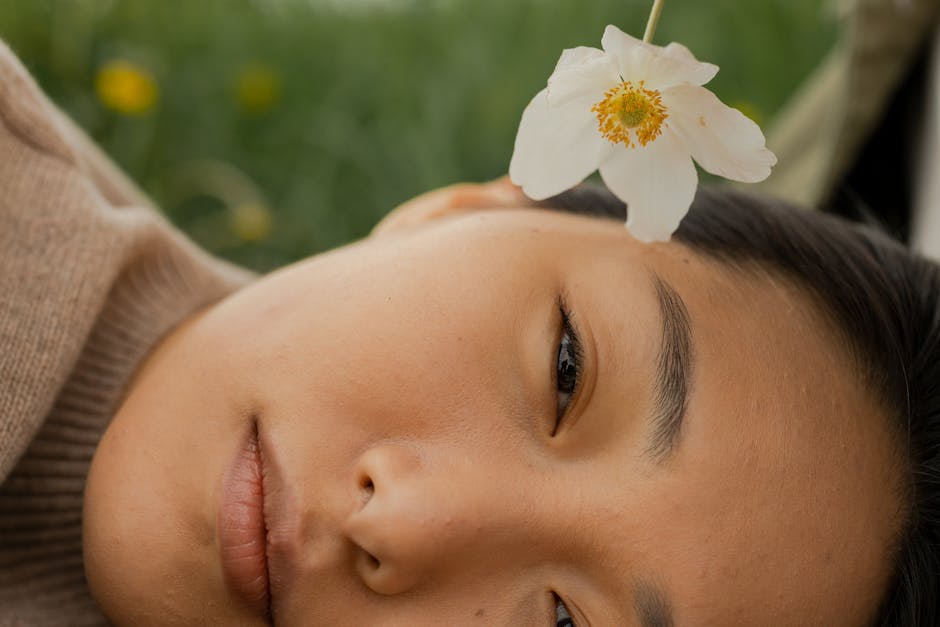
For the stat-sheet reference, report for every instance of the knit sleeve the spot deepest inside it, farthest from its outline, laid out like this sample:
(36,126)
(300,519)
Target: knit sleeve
(76,237)
(92,278)
(48,239)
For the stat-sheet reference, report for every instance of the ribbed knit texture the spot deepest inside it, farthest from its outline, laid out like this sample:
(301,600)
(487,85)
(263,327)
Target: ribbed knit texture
(91,277)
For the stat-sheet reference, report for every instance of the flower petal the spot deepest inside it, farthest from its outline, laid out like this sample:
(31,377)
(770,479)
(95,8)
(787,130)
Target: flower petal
(556,147)
(620,44)
(658,184)
(575,57)
(582,76)
(658,67)
(723,140)
(678,51)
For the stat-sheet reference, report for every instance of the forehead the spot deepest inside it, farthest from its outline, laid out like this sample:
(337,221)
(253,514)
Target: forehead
(785,452)
(782,489)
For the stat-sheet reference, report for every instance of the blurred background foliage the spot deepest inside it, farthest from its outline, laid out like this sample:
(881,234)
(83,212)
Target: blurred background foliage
(273,129)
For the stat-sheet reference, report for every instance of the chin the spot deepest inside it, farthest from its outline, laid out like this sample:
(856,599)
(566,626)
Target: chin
(147,538)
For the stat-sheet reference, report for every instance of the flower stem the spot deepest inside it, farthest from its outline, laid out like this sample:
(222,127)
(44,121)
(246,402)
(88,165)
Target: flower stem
(653,21)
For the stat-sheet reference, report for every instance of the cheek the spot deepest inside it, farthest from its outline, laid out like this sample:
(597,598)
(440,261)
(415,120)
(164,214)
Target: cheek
(397,344)
(402,369)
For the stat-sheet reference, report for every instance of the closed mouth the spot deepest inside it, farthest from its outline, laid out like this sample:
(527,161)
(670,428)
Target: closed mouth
(243,527)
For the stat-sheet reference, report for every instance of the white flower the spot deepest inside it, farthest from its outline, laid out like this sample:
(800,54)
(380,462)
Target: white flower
(639,114)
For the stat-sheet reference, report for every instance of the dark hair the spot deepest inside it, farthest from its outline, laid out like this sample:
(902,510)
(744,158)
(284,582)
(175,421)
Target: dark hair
(885,301)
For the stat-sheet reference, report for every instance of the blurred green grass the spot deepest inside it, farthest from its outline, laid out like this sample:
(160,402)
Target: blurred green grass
(281,128)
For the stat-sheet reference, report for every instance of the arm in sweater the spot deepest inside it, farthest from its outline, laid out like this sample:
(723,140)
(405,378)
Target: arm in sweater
(71,226)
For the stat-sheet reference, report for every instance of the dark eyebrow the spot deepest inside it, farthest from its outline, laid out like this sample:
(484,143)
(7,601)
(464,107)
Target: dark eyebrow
(673,373)
(651,605)
(673,380)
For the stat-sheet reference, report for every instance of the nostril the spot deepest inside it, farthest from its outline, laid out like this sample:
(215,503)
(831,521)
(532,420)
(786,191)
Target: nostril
(366,489)
(384,577)
(368,565)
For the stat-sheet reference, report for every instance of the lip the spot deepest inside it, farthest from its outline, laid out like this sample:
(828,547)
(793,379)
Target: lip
(258,526)
(282,521)
(243,534)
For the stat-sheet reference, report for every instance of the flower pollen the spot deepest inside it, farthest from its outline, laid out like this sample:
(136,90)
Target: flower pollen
(631,113)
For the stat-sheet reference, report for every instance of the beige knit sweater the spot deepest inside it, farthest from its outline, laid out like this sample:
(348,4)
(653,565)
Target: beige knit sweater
(91,277)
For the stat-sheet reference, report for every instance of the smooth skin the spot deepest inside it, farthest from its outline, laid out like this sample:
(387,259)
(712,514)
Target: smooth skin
(407,384)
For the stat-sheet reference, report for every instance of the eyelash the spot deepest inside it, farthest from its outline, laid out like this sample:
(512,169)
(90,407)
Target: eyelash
(568,363)
(562,615)
(568,369)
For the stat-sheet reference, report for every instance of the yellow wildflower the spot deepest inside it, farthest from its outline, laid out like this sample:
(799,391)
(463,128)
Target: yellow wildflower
(126,87)
(250,221)
(257,88)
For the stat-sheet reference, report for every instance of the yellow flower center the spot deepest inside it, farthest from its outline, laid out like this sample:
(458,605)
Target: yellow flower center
(631,113)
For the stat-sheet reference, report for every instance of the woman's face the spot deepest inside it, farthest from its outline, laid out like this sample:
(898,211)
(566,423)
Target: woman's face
(466,420)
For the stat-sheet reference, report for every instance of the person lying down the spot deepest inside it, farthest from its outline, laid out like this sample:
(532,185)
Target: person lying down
(490,411)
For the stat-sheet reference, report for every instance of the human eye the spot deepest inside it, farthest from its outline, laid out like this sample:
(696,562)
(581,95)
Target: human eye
(568,365)
(562,615)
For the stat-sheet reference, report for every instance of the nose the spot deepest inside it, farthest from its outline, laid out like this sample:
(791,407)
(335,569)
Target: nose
(408,518)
